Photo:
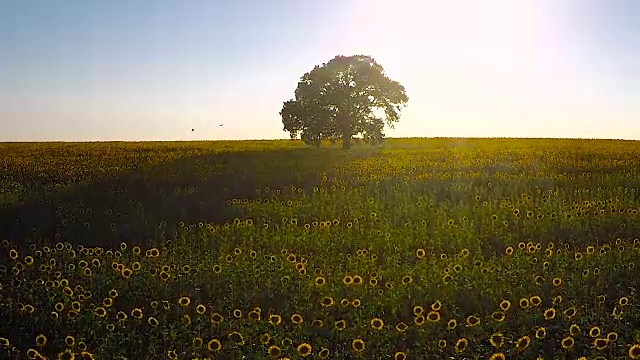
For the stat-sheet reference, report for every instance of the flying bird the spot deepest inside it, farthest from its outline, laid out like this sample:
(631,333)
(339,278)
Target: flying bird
(221,124)
(193,129)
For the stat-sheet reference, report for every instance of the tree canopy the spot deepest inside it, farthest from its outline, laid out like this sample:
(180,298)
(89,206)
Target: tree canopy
(347,96)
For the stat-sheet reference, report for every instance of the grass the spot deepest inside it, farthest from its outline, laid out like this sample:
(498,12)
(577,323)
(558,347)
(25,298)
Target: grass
(421,249)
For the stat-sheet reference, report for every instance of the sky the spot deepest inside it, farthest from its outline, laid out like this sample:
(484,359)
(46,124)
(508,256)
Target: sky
(79,70)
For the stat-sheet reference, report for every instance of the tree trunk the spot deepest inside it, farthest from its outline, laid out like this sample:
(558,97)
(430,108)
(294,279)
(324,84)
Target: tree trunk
(346,127)
(346,140)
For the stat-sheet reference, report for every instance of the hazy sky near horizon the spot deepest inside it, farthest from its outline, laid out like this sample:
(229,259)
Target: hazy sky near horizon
(154,69)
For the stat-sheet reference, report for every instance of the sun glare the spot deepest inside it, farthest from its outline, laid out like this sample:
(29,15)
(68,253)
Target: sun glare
(460,59)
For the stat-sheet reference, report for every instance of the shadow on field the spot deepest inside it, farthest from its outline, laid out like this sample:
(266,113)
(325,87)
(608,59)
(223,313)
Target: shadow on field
(145,206)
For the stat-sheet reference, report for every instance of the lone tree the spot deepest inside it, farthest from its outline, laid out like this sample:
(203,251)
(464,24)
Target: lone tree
(347,96)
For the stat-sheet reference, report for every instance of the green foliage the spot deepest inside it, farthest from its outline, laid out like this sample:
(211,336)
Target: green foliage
(346,96)
(435,248)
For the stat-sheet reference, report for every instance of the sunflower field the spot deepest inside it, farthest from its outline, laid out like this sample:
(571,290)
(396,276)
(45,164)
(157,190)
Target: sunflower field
(419,249)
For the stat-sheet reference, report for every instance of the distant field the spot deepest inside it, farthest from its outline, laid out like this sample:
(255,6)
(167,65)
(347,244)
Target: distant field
(419,249)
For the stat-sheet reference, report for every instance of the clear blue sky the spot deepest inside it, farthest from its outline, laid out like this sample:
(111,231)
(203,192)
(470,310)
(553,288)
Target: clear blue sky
(154,69)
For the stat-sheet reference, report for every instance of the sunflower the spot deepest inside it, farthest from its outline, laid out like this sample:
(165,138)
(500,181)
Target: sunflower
(407,280)
(570,312)
(214,345)
(498,316)
(574,330)
(69,340)
(237,313)
(304,350)
(274,351)
(419,320)
(624,301)
(402,327)
(201,309)
(107,302)
(274,319)
(254,315)
(433,316)
(356,303)
(461,345)
(184,301)
(451,324)
(296,319)
(358,345)
(121,316)
(436,306)
(236,337)
(497,356)
(523,343)
(523,303)
(496,339)
(600,343)
(377,323)
(594,332)
(568,342)
(557,282)
(421,253)
(541,333)
(473,320)
(508,250)
(612,336)
(28,260)
(186,320)
(137,313)
(152,321)
(32,353)
(340,325)
(100,312)
(197,342)
(41,340)
(535,300)
(418,310)
(549,314)
(4,342)
(505,305)
(326,302)
(557,300)
(400,355)
(265,338)
(634,351)
(59,307)
(66,355)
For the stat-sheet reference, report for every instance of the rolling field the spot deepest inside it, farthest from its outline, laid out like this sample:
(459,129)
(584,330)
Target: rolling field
(421,249)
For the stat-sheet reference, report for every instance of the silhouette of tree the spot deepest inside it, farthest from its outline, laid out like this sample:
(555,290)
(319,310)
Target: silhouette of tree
(347,96)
